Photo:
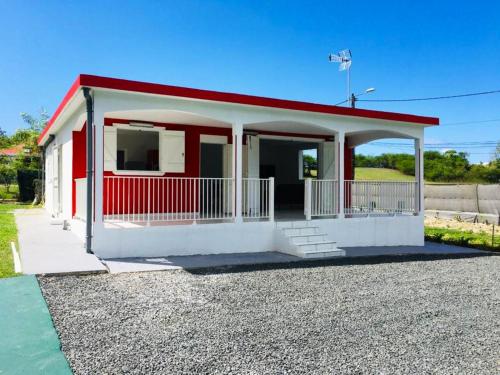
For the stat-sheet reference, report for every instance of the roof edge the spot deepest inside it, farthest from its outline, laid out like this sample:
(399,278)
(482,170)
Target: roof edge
(87,80)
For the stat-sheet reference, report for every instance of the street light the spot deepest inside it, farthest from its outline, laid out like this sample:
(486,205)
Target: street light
(355,97)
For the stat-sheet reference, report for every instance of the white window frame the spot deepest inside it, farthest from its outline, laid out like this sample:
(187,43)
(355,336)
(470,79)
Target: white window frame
(160,131)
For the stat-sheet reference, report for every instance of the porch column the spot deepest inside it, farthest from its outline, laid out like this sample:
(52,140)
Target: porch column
(340,141)
(238,170)
(419,175)
(98,129)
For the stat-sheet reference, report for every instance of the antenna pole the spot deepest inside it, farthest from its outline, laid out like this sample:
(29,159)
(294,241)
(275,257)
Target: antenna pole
(348,84)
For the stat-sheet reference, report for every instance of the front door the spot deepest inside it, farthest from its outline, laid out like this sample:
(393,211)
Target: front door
(211,171)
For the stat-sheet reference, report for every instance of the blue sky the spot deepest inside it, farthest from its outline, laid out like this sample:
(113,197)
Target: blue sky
(278,49)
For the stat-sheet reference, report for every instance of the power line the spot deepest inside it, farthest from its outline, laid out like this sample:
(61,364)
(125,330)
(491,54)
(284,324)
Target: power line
(446,144)
(432,97)
(471,122)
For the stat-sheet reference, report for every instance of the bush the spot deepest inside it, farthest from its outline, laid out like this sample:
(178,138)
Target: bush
(461,238)
(26,181)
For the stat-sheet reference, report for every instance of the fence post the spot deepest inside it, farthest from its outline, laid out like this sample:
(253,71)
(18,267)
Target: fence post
(149,200)
(307,200)
(271,198)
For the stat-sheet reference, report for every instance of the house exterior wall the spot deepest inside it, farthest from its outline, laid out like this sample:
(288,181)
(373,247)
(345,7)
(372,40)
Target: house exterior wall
(250,237)
(216,238)
(63,141)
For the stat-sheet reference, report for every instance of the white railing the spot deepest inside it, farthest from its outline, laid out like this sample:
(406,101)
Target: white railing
(320,198)
(380,197)
(258,198)
(81,198)
(167,199)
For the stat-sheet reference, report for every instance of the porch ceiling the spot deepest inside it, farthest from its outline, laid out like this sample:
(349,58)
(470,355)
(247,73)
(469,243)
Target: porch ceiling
(359,138)
(167,116)
(289,127)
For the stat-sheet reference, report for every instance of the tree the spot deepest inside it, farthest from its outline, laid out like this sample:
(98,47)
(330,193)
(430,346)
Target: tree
(4,139)
(36,124)
(7,172)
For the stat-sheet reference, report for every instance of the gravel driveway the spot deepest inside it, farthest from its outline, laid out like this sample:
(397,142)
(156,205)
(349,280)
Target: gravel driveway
(439,316)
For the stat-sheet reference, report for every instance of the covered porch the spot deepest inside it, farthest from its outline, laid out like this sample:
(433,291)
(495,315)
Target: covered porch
(163,168)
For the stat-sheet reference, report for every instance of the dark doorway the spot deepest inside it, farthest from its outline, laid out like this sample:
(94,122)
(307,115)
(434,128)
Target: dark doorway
(211,162)
(285,161)
(211,166)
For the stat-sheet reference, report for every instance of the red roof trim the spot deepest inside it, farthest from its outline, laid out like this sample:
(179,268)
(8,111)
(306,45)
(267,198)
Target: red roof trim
(159,89)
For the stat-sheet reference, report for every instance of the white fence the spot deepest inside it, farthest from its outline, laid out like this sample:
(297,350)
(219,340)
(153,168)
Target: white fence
(81,198)
(258,198)
(167,199)
(320,198)
(380,197)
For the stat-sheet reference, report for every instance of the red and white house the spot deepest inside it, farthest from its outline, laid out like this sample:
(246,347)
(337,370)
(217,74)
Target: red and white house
(185,171)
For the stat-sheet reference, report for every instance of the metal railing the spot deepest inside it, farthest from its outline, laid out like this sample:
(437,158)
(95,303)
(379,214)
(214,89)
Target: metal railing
(167,199)
(320,198)
(380,197)
(81,198)
(258,198)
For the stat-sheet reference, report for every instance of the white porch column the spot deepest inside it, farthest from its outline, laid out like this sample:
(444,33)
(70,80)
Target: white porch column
(238,169)
(340,141)
(98,161)
(419,175)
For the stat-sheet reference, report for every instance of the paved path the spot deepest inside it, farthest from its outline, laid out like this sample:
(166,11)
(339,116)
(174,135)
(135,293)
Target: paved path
(119,265)
(48,249)
(28,341)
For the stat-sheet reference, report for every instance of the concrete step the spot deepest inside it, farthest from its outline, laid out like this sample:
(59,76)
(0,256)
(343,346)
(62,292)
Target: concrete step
(300,231)
(317,246)
(298,239)
(322,254)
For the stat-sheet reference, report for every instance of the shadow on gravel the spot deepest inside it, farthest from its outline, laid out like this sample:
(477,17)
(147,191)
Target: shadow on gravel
(334,262)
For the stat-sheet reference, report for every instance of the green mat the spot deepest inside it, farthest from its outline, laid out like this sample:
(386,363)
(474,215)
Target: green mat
(28,340)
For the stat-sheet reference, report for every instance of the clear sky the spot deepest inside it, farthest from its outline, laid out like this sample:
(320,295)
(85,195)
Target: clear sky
(269,48)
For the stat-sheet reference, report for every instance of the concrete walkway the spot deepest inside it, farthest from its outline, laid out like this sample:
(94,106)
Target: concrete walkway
(120,265)
(48,249)
(29,342)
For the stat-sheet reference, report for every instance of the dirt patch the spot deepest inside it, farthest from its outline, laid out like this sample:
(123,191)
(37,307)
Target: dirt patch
(434,222)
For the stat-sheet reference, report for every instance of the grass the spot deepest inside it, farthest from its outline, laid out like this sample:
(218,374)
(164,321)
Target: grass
(481,240)
(8,233)
(11,194)
(381,174)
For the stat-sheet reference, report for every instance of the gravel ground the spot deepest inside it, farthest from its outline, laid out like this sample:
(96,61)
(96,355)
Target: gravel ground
(365,316)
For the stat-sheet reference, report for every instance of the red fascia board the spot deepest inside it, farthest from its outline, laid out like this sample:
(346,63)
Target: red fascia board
(85,80)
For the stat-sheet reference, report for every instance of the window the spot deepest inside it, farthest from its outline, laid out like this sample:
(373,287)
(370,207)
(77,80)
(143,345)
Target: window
(308,163)
(155,150)
(137,150)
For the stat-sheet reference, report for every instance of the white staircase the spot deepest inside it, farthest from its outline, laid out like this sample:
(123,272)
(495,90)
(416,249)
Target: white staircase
(304,239)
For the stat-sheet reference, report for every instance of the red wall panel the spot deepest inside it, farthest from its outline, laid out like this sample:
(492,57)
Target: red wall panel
(79,162)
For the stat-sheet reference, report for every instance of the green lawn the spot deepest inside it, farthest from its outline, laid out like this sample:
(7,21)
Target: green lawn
(11,194)
(381,174)
(8,233)
(464,238)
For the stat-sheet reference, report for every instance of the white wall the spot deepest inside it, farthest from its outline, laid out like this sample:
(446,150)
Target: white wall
(184,239)
(250,237)
(63,138)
